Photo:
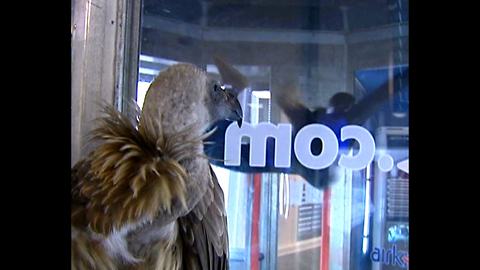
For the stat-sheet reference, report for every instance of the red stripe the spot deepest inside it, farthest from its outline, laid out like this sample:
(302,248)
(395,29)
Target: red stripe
(325,248)
(254,248)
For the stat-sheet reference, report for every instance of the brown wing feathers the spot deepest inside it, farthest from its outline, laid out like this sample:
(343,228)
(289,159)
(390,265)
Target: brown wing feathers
(204,231)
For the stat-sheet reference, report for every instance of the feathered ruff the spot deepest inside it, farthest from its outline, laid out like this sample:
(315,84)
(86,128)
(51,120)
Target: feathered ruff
(89,254)
(133,175)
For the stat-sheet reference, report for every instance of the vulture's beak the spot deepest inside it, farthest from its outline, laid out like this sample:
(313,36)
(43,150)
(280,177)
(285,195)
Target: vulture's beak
(236,113)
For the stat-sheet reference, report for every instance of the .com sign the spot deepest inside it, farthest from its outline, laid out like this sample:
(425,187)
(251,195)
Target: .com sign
(282,133)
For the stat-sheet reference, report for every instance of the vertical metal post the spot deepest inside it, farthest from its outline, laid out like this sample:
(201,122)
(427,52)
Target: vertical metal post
(390,79)
(346,31)
(128,79)
(269,208)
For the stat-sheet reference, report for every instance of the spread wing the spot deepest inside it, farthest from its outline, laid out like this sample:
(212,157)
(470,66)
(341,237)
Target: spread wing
(366,107)
(204,231)
(230,75)
(288,98)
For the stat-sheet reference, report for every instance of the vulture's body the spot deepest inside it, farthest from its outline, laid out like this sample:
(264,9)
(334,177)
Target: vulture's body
(147,198)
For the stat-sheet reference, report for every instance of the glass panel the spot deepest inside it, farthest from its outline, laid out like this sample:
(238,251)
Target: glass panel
(320,66)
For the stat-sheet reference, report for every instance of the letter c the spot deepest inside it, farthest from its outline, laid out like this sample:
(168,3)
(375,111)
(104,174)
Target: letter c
(367,147)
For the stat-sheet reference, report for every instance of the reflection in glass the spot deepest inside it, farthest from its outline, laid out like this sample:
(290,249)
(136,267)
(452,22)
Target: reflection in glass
(398,233)
(325,49)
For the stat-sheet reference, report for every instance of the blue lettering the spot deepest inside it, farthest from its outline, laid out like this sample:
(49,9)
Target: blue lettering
(375,255)
(387,259)
(390,256)
(397,258)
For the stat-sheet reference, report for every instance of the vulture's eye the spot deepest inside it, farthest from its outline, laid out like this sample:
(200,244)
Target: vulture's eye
(217,87)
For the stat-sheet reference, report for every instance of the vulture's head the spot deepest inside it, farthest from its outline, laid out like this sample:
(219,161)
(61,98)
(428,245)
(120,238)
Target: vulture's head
(222,104)
(184,94)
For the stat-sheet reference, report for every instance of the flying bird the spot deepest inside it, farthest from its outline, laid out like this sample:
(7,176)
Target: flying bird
(147,197)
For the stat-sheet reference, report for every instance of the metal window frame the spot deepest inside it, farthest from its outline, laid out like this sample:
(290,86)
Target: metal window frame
(104,53)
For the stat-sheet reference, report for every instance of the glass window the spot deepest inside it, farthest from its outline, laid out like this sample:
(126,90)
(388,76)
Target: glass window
(324,67)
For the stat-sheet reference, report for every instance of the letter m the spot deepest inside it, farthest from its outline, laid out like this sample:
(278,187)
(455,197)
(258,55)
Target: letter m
(258,135)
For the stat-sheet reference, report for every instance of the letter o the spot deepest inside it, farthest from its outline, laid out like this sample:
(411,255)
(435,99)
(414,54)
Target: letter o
(304,139)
